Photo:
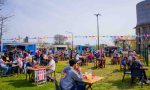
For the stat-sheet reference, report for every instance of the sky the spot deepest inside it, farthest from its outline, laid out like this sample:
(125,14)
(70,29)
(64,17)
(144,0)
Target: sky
(40,18)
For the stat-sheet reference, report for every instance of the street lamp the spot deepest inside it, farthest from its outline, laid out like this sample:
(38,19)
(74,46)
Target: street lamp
(97,30)
(72,42)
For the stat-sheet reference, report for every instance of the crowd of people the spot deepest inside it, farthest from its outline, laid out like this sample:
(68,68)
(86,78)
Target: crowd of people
(21,61)
(17,60)
(13,61)
(131,62)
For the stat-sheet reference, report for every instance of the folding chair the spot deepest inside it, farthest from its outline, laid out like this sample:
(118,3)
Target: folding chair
(53,73)
(125,71)
(1,71)
(136,72)
(57,87)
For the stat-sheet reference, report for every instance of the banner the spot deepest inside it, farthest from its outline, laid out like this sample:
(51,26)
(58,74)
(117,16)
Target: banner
(86,36)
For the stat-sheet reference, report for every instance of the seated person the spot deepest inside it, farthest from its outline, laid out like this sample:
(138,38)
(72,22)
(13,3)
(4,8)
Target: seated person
(66,69)
(78,57)
(29,65)
(124,62)
(138,65)
(18,65)
(4,67)
(130,60)
(43,60)
(73,80)
(51,65)
(20,62)
(97,54)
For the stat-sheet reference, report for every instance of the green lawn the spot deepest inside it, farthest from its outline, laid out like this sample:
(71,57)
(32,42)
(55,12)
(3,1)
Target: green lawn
(112,80)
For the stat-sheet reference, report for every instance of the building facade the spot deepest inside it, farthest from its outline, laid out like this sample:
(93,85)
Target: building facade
(143,25)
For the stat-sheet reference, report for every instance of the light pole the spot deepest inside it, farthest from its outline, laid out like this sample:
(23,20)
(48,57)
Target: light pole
(97,30)
(1,33)
(72,42)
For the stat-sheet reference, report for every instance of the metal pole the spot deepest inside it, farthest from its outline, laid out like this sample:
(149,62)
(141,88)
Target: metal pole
(97,31)
(72,47)
(72,44)
(2,21)
(72,41)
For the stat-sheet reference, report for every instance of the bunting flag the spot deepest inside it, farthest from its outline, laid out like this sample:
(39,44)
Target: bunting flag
(86,37)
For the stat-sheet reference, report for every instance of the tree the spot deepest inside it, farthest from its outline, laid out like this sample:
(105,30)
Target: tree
(59,39)
(3,19)
(1,25)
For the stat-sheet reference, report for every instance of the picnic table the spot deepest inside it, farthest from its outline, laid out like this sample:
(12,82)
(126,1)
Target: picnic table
(144,68)
(99,63)
(84,60)
(90,80)
(38,74)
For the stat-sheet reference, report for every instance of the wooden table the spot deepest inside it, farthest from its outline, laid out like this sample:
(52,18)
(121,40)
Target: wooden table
(144,68)
(38,74)
(99,63)
(93,80)
(96,63)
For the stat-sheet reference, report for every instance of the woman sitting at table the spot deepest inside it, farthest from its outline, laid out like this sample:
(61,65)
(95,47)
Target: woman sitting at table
(29,65)
(73,79)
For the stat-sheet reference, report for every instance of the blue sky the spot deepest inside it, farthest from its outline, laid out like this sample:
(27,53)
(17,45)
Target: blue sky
(49,17)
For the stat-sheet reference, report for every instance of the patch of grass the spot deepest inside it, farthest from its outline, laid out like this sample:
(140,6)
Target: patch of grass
(111,73)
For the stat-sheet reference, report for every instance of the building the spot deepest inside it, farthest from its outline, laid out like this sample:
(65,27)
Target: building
(143,25)
(126,43)
(60,47)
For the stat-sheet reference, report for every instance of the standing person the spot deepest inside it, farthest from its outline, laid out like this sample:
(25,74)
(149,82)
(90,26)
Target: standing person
(38,55)
(73,79)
